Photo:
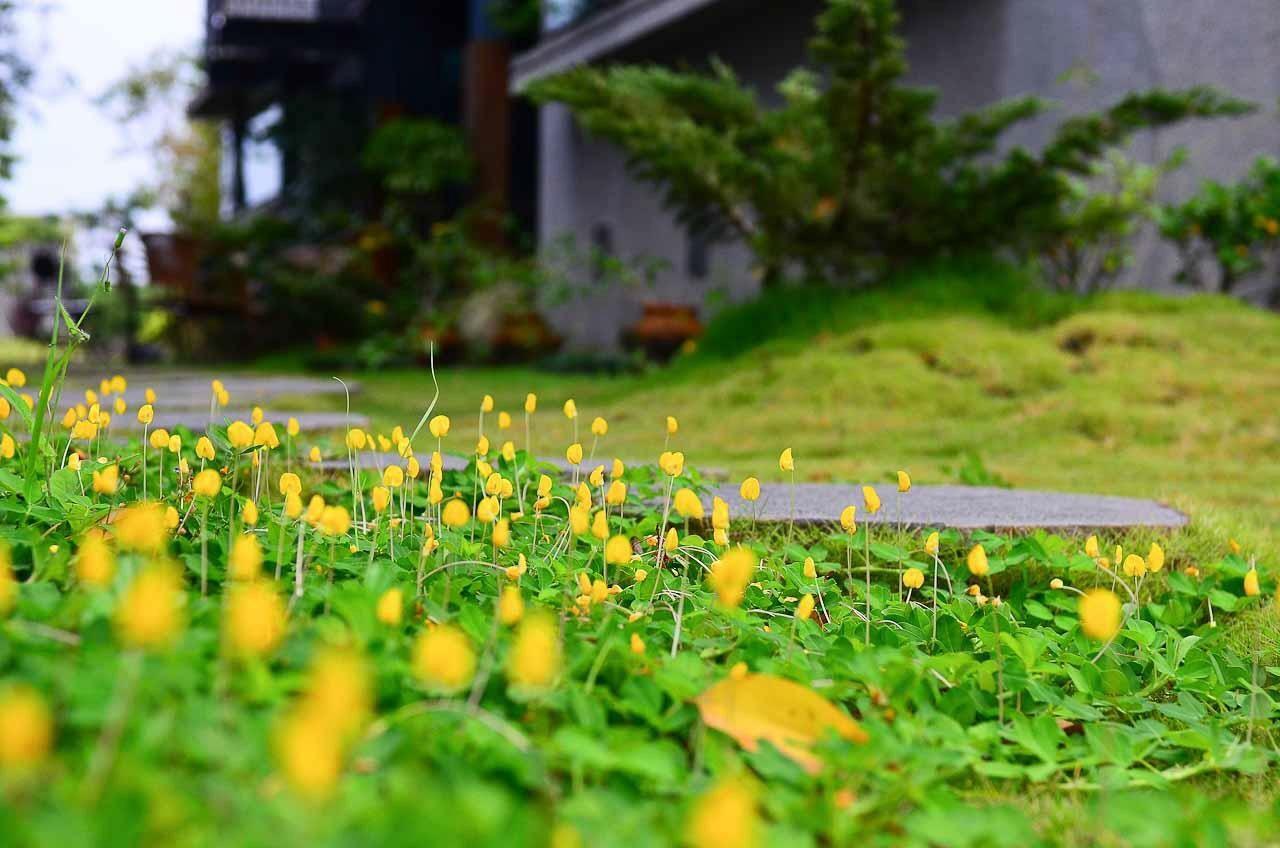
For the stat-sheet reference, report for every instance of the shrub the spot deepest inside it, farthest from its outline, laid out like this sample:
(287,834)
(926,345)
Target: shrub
(1231,227)
(853,173)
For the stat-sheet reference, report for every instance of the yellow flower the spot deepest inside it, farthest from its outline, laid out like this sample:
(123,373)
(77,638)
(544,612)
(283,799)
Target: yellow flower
(487,510)
(671,463)
(7,446)
(719,514)
(596,477)
(204,448)
(1155,558)
(904,481)
(292,505)
(106,481)
(216,386)
(413,468)
(534,660)
(750,489)
(292,427)
(672,541)
(870,499)
(486,404)
(720,536)
(931,544)
(391,607)
(849,518)
(570,409)
(439,426)
(600,526)
(381,496)
(443,658)
(84,429)
(256,415)
(544,486)
(456,513)
(149,614)
(482,446)
(1251,587)
(599,426)
(502,533)
(804,609)
(120,406)
(1234,546)
(171,518)
(810,568)
(149,396)
(977,561)
(290,483)
(95,564)
(140,527)
(1134,566)
(245,562)
(616,493)
(309,754)
(159,438)
(640,575)
(913,578)
(1056,583)
(240,435)
(249,514)
(335,521)
(787,461)
(265,435)
(673,426)
(254,621)
(393,477)
(314,454)
(1099,614)
(687,504)
(730,575)
(510,605)
(69,418)
(73,462)
(618,469)
(207,483)
(174,444)
(530,403)
(26,727)
(574,454)
(724,817)
(15,378)
(504,420)
(618,551)
(146,414)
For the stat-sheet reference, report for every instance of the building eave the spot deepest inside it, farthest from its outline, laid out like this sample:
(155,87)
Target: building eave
(597,36)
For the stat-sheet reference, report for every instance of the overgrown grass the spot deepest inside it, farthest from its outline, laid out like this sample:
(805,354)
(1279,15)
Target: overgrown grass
(1127,393)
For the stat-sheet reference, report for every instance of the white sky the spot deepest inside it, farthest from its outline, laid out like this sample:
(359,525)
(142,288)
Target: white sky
(71,156)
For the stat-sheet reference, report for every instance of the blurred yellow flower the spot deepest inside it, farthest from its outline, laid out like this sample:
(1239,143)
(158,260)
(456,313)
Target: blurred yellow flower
(254,619)
(95,564)
(146,414)
(381,496)
(904,481)
(240,435)
(724,817)
(443,658)
(249,514)
(977,561)
(390,609)
(534,660)
(141,527)
(1099,614)
(804,609)
(456,513)
(810,568)
(849,518)
(245,562)
(730,575)
(574,454)
(870,499)
(510,605)
(486,403)
(1155,558)
(570,409)
(688,504)
(207,483)
(618,550)
(149,614)
(107,480)
(439,426)
(913,578)
(750,489)
(599,426)
(335,521)
(26,726)
(931,544)
(530,403)
(1251,587)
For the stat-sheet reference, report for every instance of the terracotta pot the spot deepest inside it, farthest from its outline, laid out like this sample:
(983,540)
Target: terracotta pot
(662,330)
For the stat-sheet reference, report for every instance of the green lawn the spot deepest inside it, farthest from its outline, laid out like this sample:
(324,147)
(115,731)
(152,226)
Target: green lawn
(1174,399)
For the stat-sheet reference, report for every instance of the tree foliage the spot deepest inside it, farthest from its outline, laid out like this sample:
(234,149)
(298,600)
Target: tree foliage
(853,173)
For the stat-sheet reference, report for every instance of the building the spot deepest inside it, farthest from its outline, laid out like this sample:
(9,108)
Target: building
(299,84)
(1082,54)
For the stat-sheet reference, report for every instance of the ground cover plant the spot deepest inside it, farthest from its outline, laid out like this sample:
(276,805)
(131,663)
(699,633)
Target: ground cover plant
(963,372)
(226,637)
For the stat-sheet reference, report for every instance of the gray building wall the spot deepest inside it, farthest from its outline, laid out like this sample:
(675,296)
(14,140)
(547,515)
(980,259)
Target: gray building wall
(1081,53)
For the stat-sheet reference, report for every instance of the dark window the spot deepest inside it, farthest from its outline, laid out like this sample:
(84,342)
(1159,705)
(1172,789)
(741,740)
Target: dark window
(601,252)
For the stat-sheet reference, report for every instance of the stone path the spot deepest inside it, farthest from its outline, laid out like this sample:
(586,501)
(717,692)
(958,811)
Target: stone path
(962,507)
(182,399)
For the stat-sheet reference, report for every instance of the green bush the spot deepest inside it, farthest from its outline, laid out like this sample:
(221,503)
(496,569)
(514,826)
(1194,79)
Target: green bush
(853,174)
(1231,227)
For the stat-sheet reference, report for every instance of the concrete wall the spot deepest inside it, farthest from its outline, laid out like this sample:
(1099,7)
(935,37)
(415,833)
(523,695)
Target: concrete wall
(1082,53)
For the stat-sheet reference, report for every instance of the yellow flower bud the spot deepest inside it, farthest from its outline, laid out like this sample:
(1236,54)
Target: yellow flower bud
(750,489)
(913,578)
(207,483)
(787,462)
(904,481)
(574,454)
(390,608)
(146,413)
(977,561)
(570,409)
(870,499)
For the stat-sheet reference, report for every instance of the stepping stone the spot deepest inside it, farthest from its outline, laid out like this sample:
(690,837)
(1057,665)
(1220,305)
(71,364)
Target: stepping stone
(197,420)
(192,390)
(961,507)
